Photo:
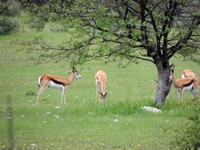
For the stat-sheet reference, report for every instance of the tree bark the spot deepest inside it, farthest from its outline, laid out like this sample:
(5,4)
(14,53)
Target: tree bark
(164,83)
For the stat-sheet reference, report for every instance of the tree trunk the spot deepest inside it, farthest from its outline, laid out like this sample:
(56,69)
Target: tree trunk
(164,83)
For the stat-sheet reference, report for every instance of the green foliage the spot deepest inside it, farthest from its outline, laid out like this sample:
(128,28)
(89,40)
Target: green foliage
(191,53)
(8,10)
(37,23)
(188,136)
(56,27)
(7,25)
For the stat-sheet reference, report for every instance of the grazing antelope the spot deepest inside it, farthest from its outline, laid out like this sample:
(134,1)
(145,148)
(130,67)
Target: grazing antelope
(47,80)
(184,84)
(101,80)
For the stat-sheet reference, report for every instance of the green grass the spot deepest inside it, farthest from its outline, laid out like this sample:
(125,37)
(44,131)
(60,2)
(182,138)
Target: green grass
(84,123)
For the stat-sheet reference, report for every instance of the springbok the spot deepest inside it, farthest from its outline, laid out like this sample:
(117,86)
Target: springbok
(101,80)
(184,84)
(53,81)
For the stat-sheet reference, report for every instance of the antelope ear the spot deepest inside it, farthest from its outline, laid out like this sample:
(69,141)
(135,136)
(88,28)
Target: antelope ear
(103,95)
(172,66)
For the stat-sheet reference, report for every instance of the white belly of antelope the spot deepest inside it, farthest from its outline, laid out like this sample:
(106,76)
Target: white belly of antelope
(55,85)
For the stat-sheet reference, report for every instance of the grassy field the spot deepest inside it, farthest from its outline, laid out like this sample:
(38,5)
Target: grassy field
(84,123)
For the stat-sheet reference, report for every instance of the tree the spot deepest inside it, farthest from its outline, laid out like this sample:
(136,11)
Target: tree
(150,30)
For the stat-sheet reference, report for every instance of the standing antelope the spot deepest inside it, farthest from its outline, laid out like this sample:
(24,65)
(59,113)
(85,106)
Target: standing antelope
(101,80)
(47,80)
(184,84)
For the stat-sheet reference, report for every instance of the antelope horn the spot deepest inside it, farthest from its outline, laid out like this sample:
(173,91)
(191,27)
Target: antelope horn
(72,66)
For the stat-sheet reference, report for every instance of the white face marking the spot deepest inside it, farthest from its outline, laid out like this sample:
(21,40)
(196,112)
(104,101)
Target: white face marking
(183,76)
(77,75)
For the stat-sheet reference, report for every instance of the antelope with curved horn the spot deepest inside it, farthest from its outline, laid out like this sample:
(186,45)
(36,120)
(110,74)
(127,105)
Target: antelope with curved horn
(101,80)
(53,81)
(184,84)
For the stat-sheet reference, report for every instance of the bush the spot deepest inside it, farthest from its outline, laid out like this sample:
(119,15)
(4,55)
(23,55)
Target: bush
(6,26)
(188,137)
(37,23)
(8,9)
(55,27)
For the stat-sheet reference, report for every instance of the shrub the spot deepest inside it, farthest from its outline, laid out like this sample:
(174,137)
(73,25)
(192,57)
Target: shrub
(8,9)
(7,25)
(37,23)
(56,27)
(188,137)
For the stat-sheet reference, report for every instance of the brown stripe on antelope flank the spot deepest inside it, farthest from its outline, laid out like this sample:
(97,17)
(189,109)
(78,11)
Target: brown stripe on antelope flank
(188,83)
(57,82)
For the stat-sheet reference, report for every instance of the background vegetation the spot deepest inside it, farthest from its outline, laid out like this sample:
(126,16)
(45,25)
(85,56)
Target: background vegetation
(84,123)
